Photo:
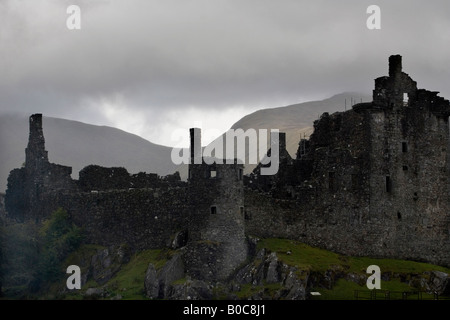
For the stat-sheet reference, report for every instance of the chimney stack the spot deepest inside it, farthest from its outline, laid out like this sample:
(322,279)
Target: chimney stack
(395,65)
(35,153)
(196,146)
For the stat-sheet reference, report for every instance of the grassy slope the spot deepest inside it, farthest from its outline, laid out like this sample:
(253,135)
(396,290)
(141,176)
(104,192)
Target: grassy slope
(313,259)
(129,281)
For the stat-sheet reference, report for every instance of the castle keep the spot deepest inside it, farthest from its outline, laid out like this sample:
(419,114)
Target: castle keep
(370,181)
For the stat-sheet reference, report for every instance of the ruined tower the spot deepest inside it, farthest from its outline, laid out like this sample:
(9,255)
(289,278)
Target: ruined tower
(216,231)
(36,157)
(27,185)
(409,139)
(374,180)
(380,174)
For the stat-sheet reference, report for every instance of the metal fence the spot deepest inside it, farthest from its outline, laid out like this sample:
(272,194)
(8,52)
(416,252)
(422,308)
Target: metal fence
(397,295)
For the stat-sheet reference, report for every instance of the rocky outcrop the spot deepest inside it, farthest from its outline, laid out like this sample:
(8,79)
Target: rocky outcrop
(101,265)
(433,282)
(107,262)
(172,281)
(267,269)
(159,284)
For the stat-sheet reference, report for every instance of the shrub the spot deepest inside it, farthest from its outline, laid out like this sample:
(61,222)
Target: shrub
(59,237)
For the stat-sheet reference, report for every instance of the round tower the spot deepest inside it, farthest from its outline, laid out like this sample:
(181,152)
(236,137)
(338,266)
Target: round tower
(217,229)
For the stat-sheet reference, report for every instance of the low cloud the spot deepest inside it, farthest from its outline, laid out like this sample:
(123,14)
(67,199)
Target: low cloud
(150,67)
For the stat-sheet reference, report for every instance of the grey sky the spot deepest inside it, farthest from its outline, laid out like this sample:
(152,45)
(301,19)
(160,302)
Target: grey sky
(152,67)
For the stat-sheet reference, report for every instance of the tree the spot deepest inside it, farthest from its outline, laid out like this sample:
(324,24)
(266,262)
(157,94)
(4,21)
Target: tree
(59,237)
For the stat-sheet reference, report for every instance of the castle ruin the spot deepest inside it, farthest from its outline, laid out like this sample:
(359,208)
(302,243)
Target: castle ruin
(370,181)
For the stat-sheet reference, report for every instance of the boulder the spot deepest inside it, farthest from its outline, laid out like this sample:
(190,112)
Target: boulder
(296,287)
(107,262)
(273,270)
(94,293)
(439,282)
(172,270)
(159,284)
(151,282)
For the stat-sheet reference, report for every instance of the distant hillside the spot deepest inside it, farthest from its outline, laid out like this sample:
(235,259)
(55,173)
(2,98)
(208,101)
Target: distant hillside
(297,120)
(77,144)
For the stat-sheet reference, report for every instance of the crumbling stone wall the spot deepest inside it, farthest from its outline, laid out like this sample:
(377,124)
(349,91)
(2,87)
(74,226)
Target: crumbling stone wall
(140,218)
(94,177)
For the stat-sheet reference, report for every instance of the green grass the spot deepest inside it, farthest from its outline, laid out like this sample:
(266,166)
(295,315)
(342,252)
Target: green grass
(315,259)
(301,255)
(129,281)
(307,258)
(360,264)
(248,290)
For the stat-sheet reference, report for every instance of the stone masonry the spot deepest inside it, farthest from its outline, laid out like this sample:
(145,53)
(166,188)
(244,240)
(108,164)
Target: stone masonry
(371,181)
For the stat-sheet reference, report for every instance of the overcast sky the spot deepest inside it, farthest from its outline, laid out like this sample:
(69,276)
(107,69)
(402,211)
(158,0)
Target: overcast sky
(154,66)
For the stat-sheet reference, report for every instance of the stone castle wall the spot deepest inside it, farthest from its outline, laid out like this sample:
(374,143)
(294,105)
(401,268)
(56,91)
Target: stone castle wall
(281,218)
(141,218)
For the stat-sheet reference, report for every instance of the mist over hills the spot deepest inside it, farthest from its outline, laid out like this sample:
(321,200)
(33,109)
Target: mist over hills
(77,144)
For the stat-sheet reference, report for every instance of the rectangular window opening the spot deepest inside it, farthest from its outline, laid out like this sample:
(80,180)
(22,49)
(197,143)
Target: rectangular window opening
(240,174)
(213,173)
(213,210)
(355,182)
(405,99)
(404,147)
(331,181)
(388,184)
